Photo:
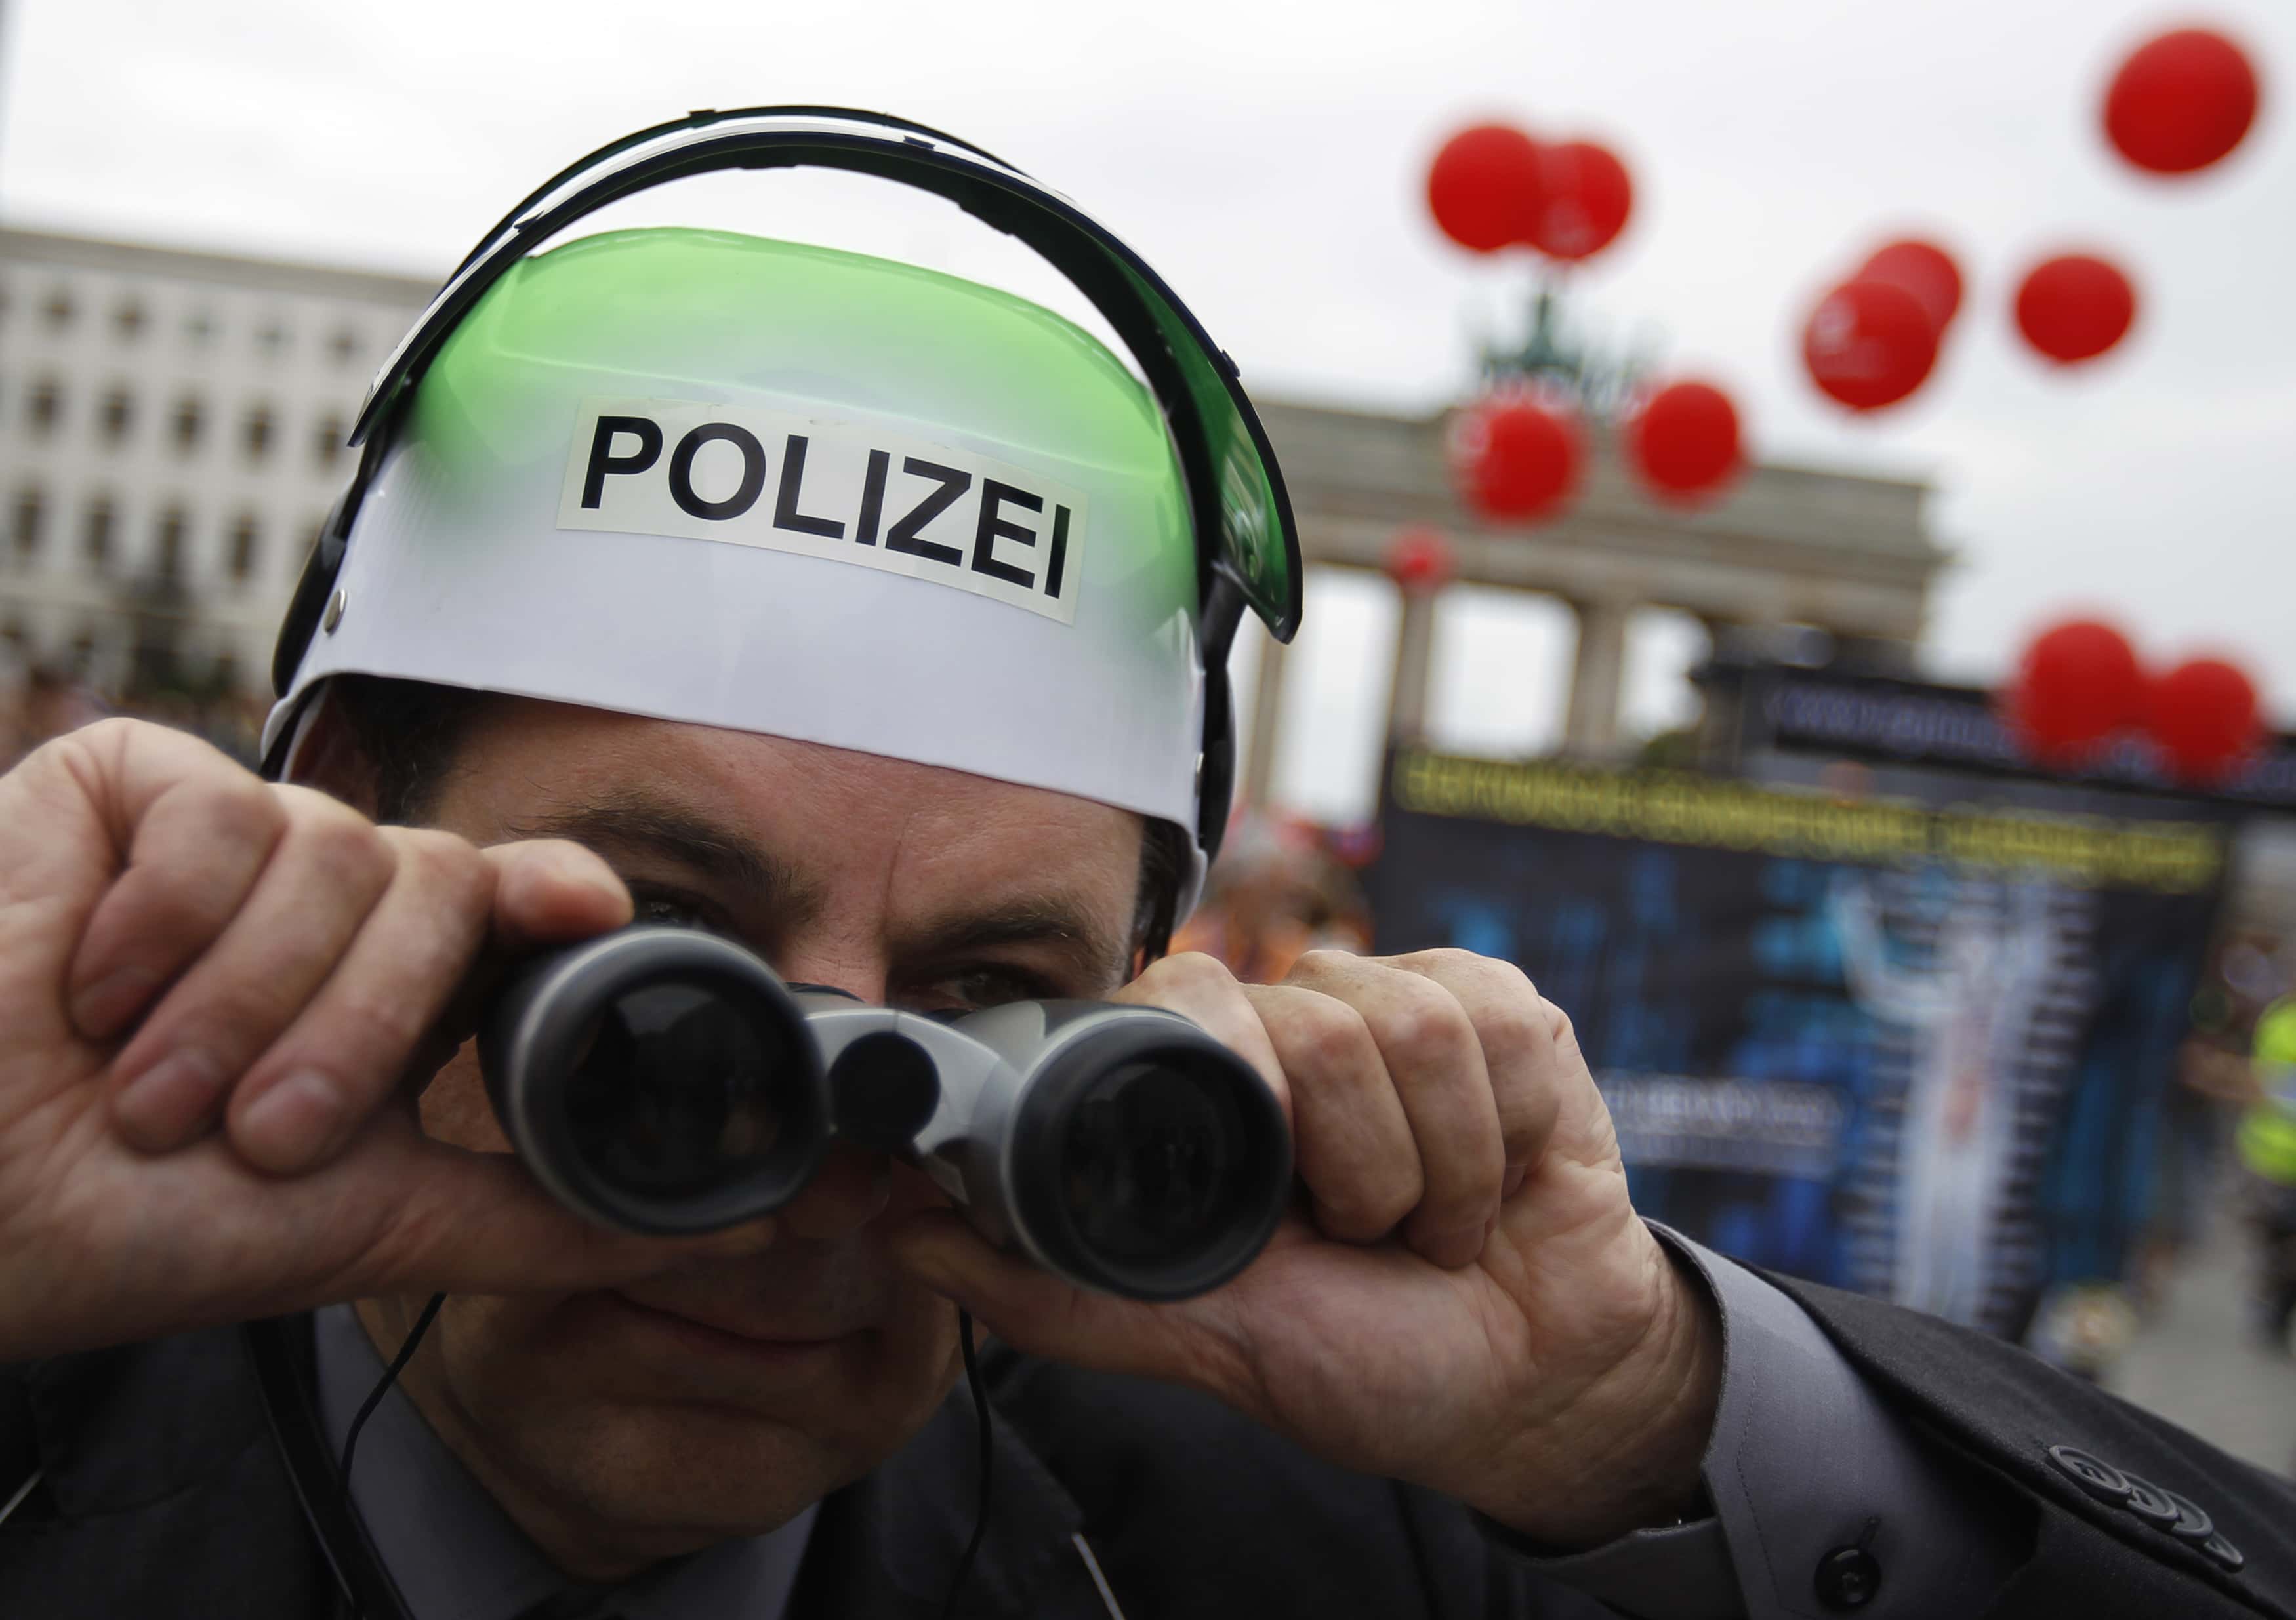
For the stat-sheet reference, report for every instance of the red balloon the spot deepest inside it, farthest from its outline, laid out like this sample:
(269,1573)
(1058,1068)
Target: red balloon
(1683,442)
(1486,186)
(2204,716)
(2074,307)
(1924,269)
(1869,344)
(1419,559)
(1587,197)
(2181,102)
(2078,684)
(1516,460)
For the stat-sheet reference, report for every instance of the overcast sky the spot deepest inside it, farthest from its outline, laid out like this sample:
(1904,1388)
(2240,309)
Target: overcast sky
(1268,157)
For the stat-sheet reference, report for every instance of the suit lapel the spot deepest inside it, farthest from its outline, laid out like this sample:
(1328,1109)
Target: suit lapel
(889,1545)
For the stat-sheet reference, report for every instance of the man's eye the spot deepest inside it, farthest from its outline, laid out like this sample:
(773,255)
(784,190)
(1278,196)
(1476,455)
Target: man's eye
(666,910)
(994,987)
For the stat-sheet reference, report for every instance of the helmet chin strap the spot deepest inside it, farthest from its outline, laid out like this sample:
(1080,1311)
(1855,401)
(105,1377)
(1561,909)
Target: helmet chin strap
(295,756)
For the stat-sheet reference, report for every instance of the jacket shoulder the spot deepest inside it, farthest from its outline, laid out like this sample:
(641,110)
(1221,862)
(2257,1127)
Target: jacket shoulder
(160,1491)
(2018,1417)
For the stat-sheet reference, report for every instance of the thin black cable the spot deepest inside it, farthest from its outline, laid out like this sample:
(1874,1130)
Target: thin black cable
(981,1421)
(382,1386)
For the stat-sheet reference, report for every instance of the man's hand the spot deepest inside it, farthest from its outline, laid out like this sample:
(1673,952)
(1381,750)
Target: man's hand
(1465,1298)
(216,1001)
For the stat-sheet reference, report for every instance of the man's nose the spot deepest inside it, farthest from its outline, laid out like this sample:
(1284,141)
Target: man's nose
(846,1193)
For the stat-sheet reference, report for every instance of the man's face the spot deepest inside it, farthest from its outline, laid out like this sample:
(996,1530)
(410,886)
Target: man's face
(720,1398)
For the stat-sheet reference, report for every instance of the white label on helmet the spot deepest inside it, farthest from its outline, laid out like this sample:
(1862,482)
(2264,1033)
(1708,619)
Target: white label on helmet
(831,490)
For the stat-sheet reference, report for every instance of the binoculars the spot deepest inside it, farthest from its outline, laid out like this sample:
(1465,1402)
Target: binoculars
(664,1080)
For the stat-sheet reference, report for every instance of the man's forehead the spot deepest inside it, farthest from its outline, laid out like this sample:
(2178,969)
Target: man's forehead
(802,827)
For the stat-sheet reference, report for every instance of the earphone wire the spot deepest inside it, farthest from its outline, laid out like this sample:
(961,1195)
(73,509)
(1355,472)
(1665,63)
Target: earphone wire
(980,1422)
(382,1387)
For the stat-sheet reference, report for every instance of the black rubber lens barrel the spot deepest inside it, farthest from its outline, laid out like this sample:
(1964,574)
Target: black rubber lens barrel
(658,1080)
(1148,1160)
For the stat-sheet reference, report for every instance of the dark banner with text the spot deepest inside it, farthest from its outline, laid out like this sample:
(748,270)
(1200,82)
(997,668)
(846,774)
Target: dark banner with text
(1908,1050)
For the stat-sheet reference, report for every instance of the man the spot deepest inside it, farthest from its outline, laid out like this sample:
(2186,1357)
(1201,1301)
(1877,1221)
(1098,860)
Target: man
(712,580)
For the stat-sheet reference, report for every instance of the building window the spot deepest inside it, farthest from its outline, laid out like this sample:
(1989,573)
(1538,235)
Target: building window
(256,435)
(96,538)
(344,346)
(167,555)
(327,440)
(13,636)
(115,416)
(225,677)
(244,537)
(59,309)
(199,328)
(129,319)
(28,518)
(82,652)
(43,407)
(271,340)
(188,422)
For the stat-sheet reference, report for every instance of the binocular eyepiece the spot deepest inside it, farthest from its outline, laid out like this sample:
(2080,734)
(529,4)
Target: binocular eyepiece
(665,1080)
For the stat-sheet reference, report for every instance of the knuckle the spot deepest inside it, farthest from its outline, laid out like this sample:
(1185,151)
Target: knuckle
(1468,1192)
(344,847)
(1327,1032)
(174,908)
(1321,963)
(1440,959)
(1367,1210)
(250,807)
(367,1033)
(1193,969)
(1391,1194)
(107,735)
(1526,1124)
(1424,1026)
(239,814)
(450,865)
(235,1022)
(1515,1029)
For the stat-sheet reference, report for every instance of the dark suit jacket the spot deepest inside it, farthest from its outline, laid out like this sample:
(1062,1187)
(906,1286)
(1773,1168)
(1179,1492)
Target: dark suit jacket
(163,1495)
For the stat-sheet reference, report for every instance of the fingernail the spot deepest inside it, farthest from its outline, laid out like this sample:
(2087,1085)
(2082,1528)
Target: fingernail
(164,1104)
(293,1124)
(99,1009)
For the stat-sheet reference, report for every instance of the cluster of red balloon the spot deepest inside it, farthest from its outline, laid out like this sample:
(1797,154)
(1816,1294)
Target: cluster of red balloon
(1518,452)
(1492,187)
(2080,687)
(1872,339)
(2179,103)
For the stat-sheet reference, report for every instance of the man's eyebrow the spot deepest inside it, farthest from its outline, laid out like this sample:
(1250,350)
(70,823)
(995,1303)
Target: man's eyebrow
(636,822)
(1066,924)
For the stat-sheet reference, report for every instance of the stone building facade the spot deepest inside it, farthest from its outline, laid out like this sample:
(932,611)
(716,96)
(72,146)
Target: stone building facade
(171,432)
(1843,561)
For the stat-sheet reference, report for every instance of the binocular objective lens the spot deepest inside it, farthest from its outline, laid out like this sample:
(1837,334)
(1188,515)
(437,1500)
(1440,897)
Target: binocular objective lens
(1153,1163)
(676,1090)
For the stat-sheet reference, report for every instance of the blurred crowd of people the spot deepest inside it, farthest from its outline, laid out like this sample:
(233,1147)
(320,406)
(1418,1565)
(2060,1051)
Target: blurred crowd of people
(1283,887)
(40,700)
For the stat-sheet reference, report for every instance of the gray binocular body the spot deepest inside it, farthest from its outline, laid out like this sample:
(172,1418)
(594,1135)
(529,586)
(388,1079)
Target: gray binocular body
(665,1080)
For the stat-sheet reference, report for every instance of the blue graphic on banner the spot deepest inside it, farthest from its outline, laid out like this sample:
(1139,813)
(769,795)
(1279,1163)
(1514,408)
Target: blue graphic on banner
(1924,1080)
